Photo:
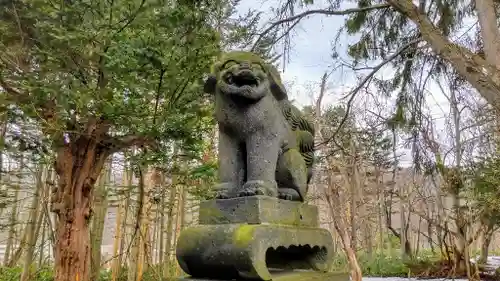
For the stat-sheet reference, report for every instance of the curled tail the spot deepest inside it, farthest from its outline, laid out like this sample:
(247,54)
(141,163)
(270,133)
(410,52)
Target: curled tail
(303,128)
(304,132)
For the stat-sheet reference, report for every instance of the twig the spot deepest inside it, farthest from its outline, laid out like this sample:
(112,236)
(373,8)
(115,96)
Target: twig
(315,12)
(365,81)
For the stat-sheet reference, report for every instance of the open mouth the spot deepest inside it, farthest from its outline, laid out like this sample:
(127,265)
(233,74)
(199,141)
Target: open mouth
(243,79)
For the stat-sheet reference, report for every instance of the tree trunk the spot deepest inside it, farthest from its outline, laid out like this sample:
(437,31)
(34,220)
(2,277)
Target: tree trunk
(12,227)
(379,179)
(161,209)
(135,241)
(356,274)
(42,245)
(150,182)
(72,256)
(460,221)
(35,218)
(127,183)
(482,75)
(142,241)
(485,245)
(486,12)
(101,208)
(3,131)
(179,223)
(78,166)
(336,204)
(353,210)
(402,217)
(115,269)
(170,230)
(170,218)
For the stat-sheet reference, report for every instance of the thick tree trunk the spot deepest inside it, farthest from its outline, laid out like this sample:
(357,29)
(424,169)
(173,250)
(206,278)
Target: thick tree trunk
(72,256)
(78,166)
(480,73)
(486,12)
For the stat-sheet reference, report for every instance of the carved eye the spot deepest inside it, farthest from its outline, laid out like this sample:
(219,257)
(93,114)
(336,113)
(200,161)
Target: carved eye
(229,64)
(258,67)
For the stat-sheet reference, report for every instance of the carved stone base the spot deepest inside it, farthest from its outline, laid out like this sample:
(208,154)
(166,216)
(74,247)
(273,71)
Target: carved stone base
(290,276)
(250,237)
(256,210)
(232,251)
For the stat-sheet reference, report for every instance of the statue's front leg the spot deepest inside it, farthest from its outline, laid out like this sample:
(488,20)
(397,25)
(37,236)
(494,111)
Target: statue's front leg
(262,155)
(231,167)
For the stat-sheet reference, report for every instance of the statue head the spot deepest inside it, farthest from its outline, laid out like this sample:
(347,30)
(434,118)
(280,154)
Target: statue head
(244,74)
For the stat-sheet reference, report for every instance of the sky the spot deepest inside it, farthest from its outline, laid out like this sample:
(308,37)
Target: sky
(311,52)
(310,58)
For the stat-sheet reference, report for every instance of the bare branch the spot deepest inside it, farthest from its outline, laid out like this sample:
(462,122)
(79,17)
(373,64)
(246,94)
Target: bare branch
(300,16)
(366,81)
(481,74)
(12,93)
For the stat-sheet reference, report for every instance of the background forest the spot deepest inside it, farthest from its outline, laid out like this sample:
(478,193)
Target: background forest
(108,143)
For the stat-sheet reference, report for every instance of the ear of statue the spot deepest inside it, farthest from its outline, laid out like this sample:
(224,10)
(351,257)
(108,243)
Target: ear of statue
(277,88)
(210,84)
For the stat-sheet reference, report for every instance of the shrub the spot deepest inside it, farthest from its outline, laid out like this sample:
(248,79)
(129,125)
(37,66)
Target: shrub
(386,263)
(14,274)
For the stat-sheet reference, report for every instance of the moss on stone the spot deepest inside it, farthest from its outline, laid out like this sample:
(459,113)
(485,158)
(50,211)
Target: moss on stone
(243,235)
(211,210)
(312,276)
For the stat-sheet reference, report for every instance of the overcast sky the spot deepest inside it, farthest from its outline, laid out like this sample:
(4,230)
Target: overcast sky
(311,57)
(311,51)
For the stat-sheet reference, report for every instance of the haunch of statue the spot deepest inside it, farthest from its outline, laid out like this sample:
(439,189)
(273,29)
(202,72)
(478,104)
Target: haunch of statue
(265,143)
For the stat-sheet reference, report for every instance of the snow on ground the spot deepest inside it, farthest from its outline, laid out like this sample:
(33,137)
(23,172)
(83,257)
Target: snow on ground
(405,279)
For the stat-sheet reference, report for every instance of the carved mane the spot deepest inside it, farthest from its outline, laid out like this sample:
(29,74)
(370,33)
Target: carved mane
(303,128)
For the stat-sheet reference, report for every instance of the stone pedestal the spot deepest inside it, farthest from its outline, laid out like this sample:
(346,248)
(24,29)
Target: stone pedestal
(256,238)
(290,276)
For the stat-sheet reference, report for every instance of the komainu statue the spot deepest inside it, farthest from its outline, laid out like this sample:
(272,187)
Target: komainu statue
(265,143)
(259,227)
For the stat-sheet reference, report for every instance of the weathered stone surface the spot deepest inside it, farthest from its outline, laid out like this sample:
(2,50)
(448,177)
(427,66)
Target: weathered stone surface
(258,209)
(248,251)
(291,276)
(266,146)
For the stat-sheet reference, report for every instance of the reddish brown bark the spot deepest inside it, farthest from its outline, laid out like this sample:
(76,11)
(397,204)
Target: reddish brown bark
(78,165)
(73,248)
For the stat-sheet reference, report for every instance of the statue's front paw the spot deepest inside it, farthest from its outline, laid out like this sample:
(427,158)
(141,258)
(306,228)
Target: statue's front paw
(259,187)
(224,190)
(289,194)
